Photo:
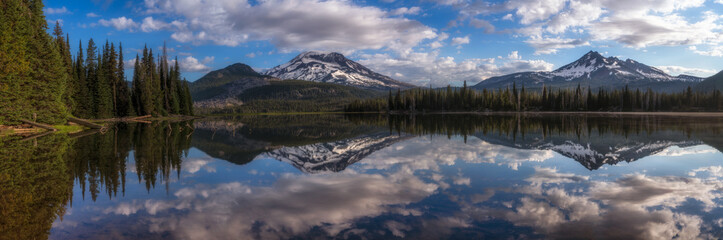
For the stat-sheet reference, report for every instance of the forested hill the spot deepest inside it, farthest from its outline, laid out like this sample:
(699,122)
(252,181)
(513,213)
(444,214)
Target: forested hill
(39,76)
(714,82)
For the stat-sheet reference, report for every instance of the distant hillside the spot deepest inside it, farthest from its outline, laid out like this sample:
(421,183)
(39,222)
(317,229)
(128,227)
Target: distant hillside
(227,83)
(305,90)
(296,96)
(713,82)
(596,71)
(333,67)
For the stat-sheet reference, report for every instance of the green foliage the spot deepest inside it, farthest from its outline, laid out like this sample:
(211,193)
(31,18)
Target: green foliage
(714,82)
(296,96)
(34,186)
(157,89)
(217,82)
(33,77)
(578,99)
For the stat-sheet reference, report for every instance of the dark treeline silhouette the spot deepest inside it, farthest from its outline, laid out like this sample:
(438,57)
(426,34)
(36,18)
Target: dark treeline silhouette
(37,176)
(99,161)
(518,125)
(39,76)
(99,88)
(518,99)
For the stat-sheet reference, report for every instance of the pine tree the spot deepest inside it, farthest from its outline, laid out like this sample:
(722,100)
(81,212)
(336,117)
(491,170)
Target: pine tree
(38,91)
(123,97)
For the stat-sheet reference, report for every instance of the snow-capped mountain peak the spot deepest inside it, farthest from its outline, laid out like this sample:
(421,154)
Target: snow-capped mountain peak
(594,63)
(596,71)
(332,67)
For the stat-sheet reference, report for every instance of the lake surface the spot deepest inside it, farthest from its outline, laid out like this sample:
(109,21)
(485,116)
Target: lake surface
(370,177)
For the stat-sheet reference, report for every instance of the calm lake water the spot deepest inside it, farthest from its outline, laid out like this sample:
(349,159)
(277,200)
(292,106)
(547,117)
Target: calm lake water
(370,177)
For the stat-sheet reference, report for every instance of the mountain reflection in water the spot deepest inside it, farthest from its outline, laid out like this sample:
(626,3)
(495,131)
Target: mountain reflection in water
(371,176)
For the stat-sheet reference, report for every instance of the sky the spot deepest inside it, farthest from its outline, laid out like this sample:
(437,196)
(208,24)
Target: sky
(431,42)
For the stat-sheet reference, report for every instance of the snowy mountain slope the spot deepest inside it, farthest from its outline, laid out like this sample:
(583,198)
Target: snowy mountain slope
(595,151)
(596,71)
(333,67)
(335,156)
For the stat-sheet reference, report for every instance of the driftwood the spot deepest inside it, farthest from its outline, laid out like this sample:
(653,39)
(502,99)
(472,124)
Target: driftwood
(84,133)
(40,125)
(85,123)
(35,136)
(124,119)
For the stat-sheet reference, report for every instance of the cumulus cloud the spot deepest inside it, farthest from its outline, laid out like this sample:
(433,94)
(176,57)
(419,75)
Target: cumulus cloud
(652,30)
(460,40)
(631,207)
(293,24)
(676,70)
(293,205)
(191,64)
(92,15)
(62,10)
(480,23)
(423,153)
(149,24)
(634,24)
(406,11)
(121,23)
(424,68)
(551,45)
(713,51)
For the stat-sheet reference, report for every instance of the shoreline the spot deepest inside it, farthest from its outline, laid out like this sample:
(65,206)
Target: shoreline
(29,130)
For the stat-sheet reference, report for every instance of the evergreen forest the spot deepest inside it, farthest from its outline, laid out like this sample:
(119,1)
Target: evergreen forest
(41,80)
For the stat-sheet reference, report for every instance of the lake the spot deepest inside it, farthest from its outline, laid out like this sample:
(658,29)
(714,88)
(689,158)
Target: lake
(457,176)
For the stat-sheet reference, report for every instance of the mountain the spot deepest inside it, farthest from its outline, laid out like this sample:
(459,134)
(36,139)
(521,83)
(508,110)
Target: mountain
(596,150)
(596,71)
(713,82)
(227,83)
(335,156)
(334,68)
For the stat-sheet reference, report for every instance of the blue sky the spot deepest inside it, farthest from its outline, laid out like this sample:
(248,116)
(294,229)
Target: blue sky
(436,42)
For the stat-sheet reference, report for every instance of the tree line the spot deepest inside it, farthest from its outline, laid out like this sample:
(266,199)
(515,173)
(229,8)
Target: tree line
(519,99)
(39,77)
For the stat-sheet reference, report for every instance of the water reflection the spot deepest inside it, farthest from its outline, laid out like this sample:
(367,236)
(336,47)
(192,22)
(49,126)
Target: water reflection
(361,176)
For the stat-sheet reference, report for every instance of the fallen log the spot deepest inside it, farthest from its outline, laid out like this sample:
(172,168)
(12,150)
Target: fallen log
(40,125)
(140,117)
(85,123)
(84,133)
(35,136)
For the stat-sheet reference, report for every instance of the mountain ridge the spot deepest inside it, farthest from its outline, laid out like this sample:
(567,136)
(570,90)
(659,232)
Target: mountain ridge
(333,67)
(596,71)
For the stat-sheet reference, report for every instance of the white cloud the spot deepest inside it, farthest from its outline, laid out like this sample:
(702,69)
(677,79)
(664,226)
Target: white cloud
(208,60)
(632,23)
(436,44)
(191,64)
(149,24)
(121,23)
(62,10)
(293,205)
(92,15)
(406,11)
(292,24)
(652,30)
(460,40)
(713,51)
(251,55)
(713,171)
(429,68)
(514,55)
(551,45)
(479,23)
(676,70)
